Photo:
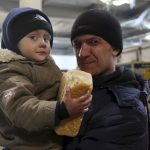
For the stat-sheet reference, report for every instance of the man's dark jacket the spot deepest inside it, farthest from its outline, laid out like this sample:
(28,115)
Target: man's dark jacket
(117,118)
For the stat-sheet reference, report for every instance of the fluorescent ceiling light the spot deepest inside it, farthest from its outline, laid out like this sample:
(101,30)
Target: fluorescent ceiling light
(120,2)
(116,2)
(106,1)
(147,37)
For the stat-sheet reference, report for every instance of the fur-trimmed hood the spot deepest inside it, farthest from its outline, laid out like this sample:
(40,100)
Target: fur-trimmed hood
(8,55)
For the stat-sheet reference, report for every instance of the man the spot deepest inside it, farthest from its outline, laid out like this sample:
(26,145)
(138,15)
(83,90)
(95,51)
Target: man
(117,119)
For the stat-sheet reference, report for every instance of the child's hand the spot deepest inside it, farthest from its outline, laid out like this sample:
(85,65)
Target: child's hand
(77,105)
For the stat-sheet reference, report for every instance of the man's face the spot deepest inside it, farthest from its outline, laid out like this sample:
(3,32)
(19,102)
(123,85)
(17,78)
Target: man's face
(94,54)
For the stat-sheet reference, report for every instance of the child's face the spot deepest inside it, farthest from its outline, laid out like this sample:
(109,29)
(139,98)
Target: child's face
(35,45)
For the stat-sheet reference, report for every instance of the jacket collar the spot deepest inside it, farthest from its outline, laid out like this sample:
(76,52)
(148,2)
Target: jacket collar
(122,76)
(8,55)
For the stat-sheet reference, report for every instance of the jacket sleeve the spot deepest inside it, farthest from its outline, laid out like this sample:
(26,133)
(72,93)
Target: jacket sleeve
(19,105)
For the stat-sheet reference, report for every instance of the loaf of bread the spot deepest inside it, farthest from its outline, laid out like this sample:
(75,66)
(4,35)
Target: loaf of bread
(79,82)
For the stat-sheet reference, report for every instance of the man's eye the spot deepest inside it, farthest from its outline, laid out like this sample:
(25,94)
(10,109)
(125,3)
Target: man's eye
(92,42)
(77,45)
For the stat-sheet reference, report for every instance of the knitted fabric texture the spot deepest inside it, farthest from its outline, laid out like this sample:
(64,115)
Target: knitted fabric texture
(100,23)
(21,21)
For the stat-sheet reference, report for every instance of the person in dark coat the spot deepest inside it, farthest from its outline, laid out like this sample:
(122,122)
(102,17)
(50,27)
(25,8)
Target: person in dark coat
(117,118)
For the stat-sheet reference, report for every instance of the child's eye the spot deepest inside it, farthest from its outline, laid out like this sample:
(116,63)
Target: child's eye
(47,38)
(34,37)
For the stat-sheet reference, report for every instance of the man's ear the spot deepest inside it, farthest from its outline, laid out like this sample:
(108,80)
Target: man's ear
(115,52)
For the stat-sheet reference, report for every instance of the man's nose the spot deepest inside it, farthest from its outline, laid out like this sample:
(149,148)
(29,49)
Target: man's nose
(84,50)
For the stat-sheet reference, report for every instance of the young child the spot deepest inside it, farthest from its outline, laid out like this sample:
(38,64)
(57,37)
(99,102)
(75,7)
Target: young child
(29,82)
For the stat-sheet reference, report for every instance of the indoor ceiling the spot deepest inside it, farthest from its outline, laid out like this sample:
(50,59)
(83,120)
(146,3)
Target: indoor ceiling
(134,17)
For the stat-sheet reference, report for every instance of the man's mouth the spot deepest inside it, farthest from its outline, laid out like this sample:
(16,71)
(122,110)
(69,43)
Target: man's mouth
(85,62)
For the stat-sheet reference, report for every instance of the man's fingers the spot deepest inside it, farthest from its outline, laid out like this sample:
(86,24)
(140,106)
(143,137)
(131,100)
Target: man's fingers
(85,110)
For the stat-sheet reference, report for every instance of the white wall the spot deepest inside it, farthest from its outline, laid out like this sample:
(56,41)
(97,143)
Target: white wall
(65,62)
(137,53)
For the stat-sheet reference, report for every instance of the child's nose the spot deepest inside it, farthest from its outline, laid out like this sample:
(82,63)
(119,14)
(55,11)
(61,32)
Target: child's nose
(42,42)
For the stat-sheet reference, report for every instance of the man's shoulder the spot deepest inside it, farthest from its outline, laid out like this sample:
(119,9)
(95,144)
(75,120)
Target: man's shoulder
(126,96)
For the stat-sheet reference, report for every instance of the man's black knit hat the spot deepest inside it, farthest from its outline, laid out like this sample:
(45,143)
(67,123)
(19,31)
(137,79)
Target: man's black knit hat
(100,23)
(21,21)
